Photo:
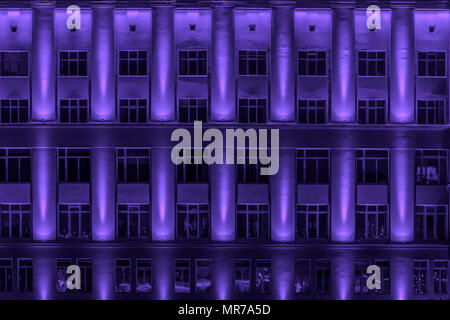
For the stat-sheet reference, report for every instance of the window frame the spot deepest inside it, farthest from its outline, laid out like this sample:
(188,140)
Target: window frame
(424,214)
(308,108)
(7,157)
(247,51)
(366,108)
(138,60)
(442,180)
(435,109)
(70,214)
(308,213)
(316,62)
(129,107)
(78,108)
(139,212)
(417,61)
(198,213)
(27,269)
(197,50)
(124,157)
(66,157)
(365,158)
(16,109)
(28,52)
(181,260)
(58,61)
(366,214)
(259,237)
(367,60)
(256,107)
(305,157)
(144,269)
(195,107)
(21,214)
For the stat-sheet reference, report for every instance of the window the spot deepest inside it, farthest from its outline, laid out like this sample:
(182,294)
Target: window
(191,110)
(361,277)
(371,111)
(252,110)
(372,63)
(242,281)
(420,276)
(74,165)
(440,277)
(263,277)
(133,63)
(182,276)
(312,63)
(73,64)
(252,62)
(431,111)
(14,64)
(323,276)
(133,110)
(74,221)
(312,166)
(249,172)
(14,110)
(312,222)
(302,283)
(123,275)
(311,111)
(372,222)
(143,275)
(372,166)
(431,64)
(5,275)
(15,221)
(430,222)
(25,275)
(134,221)
(15,165)
(192,172)
(193,63)
(192,221)
(133,165)
(62,275)
(203,276)
(73,110)
(253,221)
(431,167)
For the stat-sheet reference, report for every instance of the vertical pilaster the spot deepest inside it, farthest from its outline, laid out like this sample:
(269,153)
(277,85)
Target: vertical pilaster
(103,277)
(102,76)
(163,195)
(103,194)
(282,198)
(223,202)
(402,66)
(223,88)
(343,66)
(222,273)
(401,275)
(343,179)
(282,80)
(402,194)
(42,65)
(44,275)
(44,170)
(163,70)
(342,275)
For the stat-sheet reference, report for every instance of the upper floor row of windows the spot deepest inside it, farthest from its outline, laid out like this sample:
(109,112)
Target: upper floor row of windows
(196,63)
(312,167)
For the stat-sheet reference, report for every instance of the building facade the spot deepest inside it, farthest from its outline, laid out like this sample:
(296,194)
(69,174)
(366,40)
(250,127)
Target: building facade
(90,96)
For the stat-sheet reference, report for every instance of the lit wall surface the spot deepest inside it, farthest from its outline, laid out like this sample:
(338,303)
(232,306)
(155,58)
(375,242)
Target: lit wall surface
(86,176)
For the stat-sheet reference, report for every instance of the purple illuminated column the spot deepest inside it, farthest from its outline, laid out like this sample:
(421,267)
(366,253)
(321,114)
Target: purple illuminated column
(402,194)
(222,272)
(283,270)
(282,198)
(163,270)
(343,66)
(44,275)
(401,277)
(163,195)
(43,66)
(44,170)
(343,192)
(282,80)
(103,277)
(342,274)
(103,194)
(402,66)
(102,76)
(163,71)
(222,72)
(223,202)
